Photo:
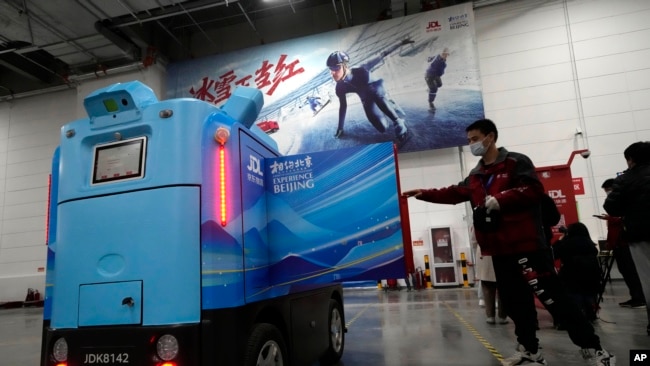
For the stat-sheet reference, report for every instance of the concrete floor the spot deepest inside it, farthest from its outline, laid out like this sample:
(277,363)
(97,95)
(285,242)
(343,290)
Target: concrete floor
(429,327)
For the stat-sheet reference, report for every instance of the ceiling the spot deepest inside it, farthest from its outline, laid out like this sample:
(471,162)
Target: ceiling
(55,44)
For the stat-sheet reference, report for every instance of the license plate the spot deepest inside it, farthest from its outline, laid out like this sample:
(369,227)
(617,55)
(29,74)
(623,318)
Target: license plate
(107,356)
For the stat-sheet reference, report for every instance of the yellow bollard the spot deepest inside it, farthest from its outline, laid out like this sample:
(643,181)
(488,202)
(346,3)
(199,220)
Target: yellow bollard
(427,271)
(463,266)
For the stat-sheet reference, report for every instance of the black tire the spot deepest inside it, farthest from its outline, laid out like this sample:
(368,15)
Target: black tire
(265,346)
(336,335)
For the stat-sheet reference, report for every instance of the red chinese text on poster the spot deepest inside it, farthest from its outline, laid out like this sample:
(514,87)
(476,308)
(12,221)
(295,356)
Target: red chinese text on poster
(267,77)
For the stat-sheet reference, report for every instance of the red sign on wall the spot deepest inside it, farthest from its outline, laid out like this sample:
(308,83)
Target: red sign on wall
(578,186)
(558,184)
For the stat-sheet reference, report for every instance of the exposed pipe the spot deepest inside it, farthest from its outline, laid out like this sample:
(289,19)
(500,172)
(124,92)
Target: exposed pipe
(75,82)
(162,26)
(174,13)
(130,49)
(57,33)
(33,93)
(103,14)
(345,16)
(350,12)
(112,71)
(20,52)
(336,12)
(7,89)
(249,19)
(198,26)
(129,10)
(581,114)
(29,23)
(237,15)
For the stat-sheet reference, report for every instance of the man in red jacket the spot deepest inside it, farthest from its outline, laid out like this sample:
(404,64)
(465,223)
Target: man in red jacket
(506,195)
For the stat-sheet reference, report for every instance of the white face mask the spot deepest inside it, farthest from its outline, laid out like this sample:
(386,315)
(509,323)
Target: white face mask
(477,148)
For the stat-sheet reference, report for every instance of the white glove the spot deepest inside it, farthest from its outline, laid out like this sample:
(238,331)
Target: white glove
(491,203)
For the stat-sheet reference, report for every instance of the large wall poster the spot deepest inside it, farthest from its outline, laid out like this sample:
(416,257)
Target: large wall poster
(384,80)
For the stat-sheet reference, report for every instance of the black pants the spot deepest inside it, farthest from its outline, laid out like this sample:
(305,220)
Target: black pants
(626,266)
(522,275)
(586,303)
(375,104)
(433,82)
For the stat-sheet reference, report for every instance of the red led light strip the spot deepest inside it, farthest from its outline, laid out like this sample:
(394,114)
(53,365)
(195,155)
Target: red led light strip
(222,184)
(47,216)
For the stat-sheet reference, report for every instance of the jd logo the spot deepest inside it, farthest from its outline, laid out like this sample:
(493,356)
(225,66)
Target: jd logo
(255,166)
(433,25)
(557,193)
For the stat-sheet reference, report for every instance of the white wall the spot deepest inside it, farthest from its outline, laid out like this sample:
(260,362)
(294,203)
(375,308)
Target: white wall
(547,67)
(29,133)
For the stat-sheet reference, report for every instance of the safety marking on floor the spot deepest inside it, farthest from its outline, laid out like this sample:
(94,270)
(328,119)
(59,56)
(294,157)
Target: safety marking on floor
(476,334)
(354,318)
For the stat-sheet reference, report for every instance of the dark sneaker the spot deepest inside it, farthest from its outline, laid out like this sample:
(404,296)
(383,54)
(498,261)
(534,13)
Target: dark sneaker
(338,133)
(637,305)
(598,358)
(432,107)
(625,304)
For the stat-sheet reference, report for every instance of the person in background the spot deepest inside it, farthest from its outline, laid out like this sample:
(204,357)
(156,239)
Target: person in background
(622,255)
(433,75)
(488,282)
(580,269)
(630,199)
(506,193)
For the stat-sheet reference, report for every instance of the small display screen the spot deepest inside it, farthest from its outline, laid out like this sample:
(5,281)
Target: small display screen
(111,105)
(122,160)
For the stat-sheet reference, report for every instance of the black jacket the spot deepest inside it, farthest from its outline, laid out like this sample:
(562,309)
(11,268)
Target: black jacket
(630,199)
(580,269)
(550,216)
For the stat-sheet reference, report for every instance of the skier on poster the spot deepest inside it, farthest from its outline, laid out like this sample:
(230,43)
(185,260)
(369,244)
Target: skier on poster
(432,76)
(373,96)
(315,104)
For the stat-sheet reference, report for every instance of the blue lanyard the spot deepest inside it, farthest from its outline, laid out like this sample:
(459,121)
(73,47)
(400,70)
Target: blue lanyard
(487,185)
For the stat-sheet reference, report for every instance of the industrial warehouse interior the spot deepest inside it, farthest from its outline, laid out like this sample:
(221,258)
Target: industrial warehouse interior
(559,77)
